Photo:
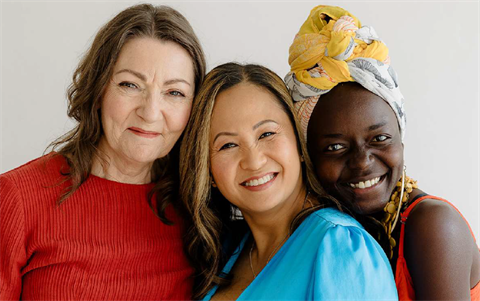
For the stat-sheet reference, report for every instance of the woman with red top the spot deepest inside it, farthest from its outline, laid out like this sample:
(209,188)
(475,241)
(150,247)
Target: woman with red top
(353,116)
(98,218)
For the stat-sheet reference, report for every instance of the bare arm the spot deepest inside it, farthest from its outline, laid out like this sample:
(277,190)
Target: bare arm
(439,252)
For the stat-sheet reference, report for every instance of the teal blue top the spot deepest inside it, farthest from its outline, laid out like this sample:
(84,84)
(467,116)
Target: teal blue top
(329,257)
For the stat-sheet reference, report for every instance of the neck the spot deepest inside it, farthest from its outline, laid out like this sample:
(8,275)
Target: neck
(108,165)
(271,229)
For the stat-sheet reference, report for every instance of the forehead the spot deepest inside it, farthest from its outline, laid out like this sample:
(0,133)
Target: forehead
(350,107)
(151,55)
(246,103)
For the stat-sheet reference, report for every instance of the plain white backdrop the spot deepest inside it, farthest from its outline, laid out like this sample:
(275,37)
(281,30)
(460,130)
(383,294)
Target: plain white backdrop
(434,48)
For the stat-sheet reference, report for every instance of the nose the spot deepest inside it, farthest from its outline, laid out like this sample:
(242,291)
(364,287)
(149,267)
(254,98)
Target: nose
(151,108)
(360,159)
(253,158)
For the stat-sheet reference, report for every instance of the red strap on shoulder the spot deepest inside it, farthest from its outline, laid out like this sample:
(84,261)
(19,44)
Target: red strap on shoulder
(404,217)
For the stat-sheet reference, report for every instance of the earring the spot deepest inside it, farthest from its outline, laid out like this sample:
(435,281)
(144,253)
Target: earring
(213,184)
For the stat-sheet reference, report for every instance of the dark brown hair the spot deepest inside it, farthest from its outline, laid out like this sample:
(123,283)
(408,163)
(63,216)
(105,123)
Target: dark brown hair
(79,146)
(212,215)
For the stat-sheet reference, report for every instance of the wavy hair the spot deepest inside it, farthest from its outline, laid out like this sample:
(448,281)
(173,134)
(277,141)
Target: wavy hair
(79,146)
(212,215)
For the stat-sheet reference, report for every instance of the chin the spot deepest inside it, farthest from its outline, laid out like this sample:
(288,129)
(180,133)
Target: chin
(369,208)
(145,158)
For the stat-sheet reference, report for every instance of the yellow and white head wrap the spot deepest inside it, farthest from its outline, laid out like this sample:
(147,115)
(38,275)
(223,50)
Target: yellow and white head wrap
(332,47)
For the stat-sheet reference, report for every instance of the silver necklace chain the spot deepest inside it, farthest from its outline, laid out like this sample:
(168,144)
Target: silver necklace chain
(269,257)
(277,247)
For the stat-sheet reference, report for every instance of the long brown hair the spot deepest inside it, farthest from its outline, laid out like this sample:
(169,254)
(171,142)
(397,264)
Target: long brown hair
(79,146)
(212,215)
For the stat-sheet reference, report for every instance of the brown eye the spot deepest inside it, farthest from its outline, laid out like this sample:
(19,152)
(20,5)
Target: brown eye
(128,85)
(380,138)
(267,134)
(335,147)
(227,146)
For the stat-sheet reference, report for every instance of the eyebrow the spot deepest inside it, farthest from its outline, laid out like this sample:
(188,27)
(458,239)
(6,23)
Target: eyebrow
(332,135)
(376,126)
(256,126)
(369,129)
(137,74)
(176,80)
(144,78)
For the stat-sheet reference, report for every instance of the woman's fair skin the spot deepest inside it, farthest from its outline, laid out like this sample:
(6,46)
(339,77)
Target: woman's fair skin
(353,137)
(256,165)
(145,107)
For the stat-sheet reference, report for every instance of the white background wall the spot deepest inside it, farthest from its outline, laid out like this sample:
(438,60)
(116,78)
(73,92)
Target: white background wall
(434,48)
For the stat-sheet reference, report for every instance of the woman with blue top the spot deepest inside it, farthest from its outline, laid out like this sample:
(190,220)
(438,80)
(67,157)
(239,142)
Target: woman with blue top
(262,226)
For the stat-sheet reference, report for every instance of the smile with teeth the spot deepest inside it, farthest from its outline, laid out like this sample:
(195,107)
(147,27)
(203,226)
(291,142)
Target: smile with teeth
(365,184)
(260,181)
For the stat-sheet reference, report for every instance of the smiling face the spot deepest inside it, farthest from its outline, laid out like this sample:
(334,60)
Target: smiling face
(253,150)
(355,145)
(146,105)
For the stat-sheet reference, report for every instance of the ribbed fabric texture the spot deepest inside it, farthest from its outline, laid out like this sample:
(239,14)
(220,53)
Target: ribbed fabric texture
(103,243)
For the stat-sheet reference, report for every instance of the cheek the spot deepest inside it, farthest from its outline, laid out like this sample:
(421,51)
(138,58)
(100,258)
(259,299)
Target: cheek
(178,117)
(113,115)
(327,173)
(393,155)
(395,160)
(327,169)
(222,170)
(114,112)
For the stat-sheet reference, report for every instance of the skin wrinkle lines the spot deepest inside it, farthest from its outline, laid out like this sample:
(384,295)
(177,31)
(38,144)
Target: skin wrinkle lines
(144,109)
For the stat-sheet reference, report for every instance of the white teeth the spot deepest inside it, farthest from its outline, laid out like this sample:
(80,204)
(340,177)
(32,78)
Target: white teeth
(260,181)
(365,184)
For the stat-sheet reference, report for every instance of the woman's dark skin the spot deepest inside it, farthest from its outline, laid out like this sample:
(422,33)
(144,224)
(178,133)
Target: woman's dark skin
(353,136)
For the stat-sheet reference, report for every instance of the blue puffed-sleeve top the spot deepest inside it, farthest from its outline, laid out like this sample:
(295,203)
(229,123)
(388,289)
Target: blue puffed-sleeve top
(329,257)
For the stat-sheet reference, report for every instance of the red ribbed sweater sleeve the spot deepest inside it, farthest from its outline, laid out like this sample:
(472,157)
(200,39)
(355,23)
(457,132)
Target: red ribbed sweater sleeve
(103,243)
(12,248)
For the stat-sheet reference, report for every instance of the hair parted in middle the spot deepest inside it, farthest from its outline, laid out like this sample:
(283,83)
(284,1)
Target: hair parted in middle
(79,146)
(212,215)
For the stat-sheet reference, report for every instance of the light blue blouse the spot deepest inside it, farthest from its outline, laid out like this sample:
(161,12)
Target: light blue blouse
(329,257)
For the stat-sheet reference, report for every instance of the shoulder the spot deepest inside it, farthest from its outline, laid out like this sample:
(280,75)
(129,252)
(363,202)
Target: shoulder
(33,178)
(339,234)
(435,230)
(47,166)
(349,262)
(333,218)
(438,244)
(436,219)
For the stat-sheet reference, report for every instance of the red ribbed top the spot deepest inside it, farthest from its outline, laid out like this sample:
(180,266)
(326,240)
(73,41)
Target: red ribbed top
(102,243)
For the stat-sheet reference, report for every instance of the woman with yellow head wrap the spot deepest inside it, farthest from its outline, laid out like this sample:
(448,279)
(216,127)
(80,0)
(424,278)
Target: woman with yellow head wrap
(331,48)
(292,243)
(352,114)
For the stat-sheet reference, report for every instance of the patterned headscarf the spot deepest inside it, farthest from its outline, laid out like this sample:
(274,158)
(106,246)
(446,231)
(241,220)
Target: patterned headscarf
(332,47)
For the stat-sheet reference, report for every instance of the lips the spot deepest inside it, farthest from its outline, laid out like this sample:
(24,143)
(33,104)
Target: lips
(257,181)
(143,133)
(365,183)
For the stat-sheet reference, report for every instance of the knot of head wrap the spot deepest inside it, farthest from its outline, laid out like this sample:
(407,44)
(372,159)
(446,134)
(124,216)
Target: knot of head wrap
(332,47)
